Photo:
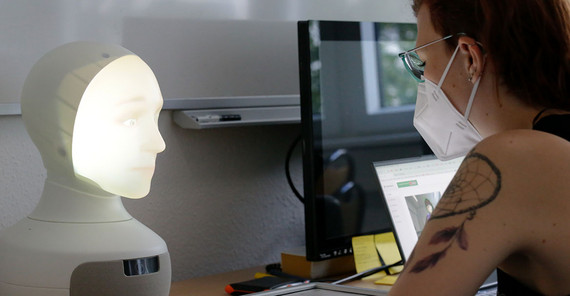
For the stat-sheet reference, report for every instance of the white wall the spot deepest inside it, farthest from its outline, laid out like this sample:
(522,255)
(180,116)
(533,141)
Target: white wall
(156,29)
(219,197)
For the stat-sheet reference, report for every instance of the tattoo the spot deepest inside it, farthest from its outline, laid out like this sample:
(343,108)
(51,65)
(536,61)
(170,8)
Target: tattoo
(467,192)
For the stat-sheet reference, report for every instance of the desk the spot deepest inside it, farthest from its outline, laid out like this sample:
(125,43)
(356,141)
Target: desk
(214,285)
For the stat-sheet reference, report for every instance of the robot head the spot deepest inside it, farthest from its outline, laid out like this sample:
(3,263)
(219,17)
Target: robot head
(92,109)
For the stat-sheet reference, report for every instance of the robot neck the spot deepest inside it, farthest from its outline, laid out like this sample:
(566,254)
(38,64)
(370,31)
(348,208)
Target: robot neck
(67,204)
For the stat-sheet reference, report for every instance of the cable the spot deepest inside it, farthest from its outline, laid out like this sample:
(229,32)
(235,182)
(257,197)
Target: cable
(366,273)
(287,171)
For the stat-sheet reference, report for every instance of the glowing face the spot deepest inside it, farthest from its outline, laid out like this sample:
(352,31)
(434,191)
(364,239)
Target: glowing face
(115,136)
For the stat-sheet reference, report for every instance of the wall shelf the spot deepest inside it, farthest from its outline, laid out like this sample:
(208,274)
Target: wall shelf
(251,110)
(247,116)
(10,109)
(231,102)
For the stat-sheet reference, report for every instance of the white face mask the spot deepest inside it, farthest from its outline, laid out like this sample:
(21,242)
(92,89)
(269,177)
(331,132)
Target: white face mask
(448,133)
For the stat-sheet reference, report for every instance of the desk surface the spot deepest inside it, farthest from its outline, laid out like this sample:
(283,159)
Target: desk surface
(214,285)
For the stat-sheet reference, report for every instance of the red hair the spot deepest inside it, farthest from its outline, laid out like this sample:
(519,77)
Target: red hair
(528,42)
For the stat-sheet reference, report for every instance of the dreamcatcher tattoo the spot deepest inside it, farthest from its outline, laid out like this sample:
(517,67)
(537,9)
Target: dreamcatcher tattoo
(476,184)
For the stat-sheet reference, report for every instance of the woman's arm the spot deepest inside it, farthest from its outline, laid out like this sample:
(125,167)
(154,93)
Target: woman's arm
(470,232)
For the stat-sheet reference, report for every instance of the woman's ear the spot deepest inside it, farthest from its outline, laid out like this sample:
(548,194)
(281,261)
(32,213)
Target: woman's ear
(474,61)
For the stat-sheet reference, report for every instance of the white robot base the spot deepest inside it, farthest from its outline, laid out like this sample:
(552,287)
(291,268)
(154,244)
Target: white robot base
(70,259)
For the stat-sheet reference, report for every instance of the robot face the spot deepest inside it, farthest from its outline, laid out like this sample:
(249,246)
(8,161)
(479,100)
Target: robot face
(115,136)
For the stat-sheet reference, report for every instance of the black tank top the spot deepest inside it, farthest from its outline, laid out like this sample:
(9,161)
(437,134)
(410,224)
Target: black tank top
(558,125)
(554,124)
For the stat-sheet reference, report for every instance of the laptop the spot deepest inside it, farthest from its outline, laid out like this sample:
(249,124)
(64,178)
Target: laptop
(411,188)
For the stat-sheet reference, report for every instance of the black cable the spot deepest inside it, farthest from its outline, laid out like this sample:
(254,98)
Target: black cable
(287,171)
(367,273)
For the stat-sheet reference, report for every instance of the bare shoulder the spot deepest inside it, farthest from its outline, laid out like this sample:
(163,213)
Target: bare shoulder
(531,163)
(524,146)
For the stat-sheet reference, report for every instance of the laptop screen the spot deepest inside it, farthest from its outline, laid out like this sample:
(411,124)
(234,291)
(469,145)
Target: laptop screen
(412,188)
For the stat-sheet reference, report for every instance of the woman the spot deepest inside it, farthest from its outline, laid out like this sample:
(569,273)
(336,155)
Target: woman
(496,86)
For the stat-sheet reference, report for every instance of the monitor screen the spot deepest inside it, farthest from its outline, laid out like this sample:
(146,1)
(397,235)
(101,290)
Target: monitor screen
(357,104)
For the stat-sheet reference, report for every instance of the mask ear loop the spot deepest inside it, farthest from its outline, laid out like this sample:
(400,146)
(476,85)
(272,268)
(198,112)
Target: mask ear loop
(473,93)
(472,98)
(448,67)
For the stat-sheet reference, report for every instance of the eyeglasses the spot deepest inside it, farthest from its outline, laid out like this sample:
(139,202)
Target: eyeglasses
(412,61)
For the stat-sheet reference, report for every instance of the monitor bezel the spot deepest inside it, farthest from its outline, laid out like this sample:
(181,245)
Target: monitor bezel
(318,246)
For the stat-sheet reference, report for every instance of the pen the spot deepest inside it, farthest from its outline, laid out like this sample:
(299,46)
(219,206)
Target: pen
(366,273)
(217,118)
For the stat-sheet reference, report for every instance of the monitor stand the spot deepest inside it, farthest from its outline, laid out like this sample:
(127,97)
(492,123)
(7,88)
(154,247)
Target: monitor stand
(294,262)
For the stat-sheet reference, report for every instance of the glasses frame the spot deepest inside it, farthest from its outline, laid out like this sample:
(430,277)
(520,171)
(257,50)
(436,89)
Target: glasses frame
(405,56)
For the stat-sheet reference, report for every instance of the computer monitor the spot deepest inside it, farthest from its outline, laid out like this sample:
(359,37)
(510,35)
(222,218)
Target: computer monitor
(357,106)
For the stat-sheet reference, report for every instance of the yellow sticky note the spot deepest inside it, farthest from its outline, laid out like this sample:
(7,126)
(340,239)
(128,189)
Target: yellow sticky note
(367,250)
(388,249)
(365,253)
(387,280)
(260,275)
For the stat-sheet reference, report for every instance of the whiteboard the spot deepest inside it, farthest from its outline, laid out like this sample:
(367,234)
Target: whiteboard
(197,48)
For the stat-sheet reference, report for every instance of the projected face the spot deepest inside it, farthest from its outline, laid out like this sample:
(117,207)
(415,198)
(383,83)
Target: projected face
(116,137)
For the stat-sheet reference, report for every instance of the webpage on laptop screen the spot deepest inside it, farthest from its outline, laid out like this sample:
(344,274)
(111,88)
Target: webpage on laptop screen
(412,190)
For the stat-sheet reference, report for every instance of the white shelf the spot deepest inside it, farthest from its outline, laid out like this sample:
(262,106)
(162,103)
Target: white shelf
(10,109)
(248,116)
(252,110)
(231,102)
